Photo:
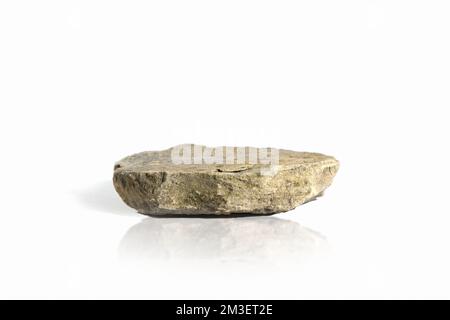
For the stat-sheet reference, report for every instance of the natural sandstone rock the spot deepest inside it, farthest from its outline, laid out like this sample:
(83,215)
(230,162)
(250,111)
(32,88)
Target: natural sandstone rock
(157,183)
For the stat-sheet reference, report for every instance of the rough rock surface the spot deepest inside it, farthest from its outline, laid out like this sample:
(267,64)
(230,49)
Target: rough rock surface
(151,183)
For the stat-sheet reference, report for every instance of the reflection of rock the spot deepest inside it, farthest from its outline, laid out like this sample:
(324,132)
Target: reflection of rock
(240,239)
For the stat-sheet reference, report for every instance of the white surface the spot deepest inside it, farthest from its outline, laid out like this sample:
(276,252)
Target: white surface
(85,83)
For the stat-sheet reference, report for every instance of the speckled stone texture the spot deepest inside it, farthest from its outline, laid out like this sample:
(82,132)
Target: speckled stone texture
(151,183)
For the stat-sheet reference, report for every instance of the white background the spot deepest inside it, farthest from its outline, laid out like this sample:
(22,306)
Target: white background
(85,83)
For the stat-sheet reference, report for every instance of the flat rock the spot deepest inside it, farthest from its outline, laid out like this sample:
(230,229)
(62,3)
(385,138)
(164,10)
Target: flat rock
(190,182)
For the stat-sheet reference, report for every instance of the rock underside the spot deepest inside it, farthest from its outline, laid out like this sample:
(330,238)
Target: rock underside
(153,184)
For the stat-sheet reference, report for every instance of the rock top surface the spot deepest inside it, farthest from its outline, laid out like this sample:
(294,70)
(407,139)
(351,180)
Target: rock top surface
(197,180)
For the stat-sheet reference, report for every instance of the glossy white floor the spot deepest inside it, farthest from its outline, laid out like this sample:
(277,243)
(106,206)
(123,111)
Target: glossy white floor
(86,83)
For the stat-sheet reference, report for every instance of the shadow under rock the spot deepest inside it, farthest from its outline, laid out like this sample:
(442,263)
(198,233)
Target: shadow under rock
(103,197)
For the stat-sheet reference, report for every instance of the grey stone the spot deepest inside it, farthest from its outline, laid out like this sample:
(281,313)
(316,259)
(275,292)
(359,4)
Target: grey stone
(153,184)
